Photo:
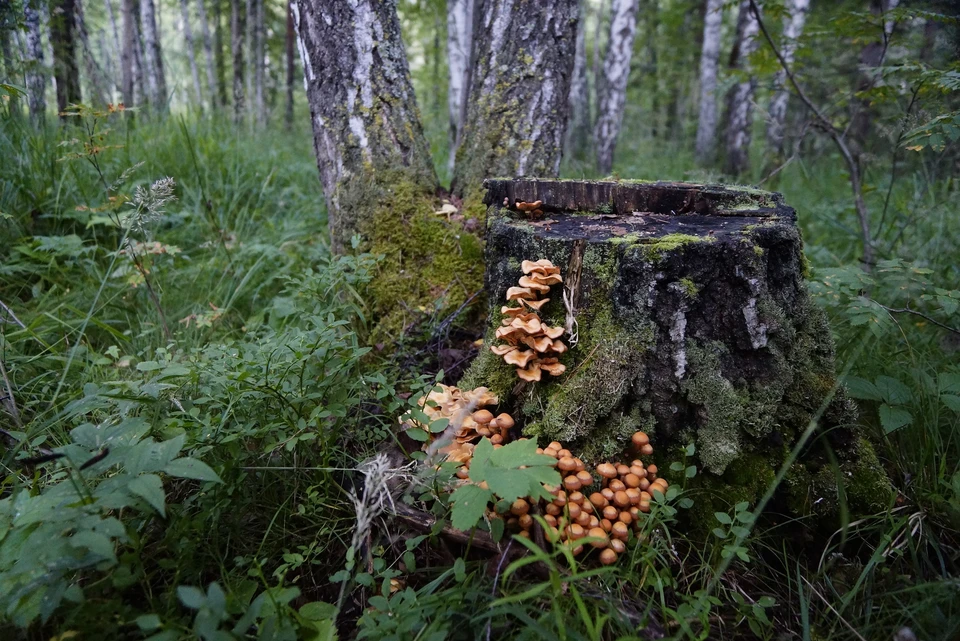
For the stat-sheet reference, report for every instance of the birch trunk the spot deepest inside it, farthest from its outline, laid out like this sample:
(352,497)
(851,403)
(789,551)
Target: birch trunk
(459,46)
(709,64)
(236,48)
(191,56)
(613,86)
(578,131)
(259,34)
(63,39)
(517,116)
(740,111)
(9,70)
(208,54)
(291,37)
(99,84)
(597,62)
(34,72)
(792,30)
(366,127)
(153,56)
(117,56)
(218,55)
(249,46)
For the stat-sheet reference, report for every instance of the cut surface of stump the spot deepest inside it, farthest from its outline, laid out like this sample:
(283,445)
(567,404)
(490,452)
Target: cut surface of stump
(692,323)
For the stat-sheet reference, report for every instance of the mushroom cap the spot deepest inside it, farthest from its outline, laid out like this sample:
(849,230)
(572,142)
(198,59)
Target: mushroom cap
(543,265)
(531,374)
(621,498)
(535,304)
(620,531)
(530,283)
(519,507)
(585,477)
(544,279)
(539,343)
(509,333)
(501,350)
(567,464)
(601,536)
(606,470)
(558,346)
(512,311)
(506,421)
(608,557)
(646,450)
(529,323)
(519,293)
(598,500)
(522,206)
(552,332)
(618,546)
(552,367)
(520,358)
(640,439)
(611,513)
(572,483)
(631,480)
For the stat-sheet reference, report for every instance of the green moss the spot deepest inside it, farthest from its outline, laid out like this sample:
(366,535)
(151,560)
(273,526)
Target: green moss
(655,248)
(689,287)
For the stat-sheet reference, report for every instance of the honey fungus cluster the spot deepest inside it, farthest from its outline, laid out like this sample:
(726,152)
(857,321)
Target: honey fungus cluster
(529,344)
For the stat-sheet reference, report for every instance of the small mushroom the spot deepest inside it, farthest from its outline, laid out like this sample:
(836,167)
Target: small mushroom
(519,507)
(535,304)
(606,470)
(482,416)
(552,332)
(552,366)
(519,293)
(531,374)
(506,421)
(608,557)
(618,546)
(639,439)
(571,483)
(520,358)
(646,450)
(600,535)
(530,283)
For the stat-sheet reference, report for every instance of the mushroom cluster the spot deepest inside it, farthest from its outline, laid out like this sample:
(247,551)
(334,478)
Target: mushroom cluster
(532,346)
(467,422)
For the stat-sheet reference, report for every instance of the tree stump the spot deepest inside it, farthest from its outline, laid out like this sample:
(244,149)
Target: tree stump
(693,324)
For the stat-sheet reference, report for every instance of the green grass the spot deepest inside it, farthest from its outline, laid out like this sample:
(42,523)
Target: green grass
(275,390)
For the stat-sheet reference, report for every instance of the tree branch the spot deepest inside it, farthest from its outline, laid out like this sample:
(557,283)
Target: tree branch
(909,310)
(836,135)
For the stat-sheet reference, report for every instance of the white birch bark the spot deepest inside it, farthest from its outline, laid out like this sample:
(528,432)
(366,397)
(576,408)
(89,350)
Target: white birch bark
(740,113)
(709,64)
(191,56)
(208,54)
(616,73)
(35,70)
(459,47)
(792,30)
(153,57)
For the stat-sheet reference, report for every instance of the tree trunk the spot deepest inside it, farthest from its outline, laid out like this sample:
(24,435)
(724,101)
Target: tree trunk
(10,70)
(578,131)
(219,57)
(236,46)
(375,164)
(613,85)
(740,110)
(128,60)
(117,56)
(191,56)
(208,54)
(597,62)
(291,36)
(460,21)
(517,114)
(34,67)
(99,84)
(709,64)
(153,56)
(792,30)
(871,57)
(63,38)
(690,321)
(259,35)
(249,46)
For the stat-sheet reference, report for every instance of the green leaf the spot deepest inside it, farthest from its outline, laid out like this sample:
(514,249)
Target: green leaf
(318,611)
(417,434)
(149,366)
(893,391)
(191,468)
(676,466)
(148,622)
(459,570)
(952,401)
(149,487)
(949,383)
(439,425)
(690,472)
(893,418)
(723,517)
(191,597)
(469,503)
(862,389)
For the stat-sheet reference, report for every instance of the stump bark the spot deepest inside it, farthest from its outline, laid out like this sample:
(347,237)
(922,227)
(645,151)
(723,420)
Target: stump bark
(694,324)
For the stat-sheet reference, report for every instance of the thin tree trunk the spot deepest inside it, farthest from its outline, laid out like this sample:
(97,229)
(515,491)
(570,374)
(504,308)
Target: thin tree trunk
(522,72)
(367,132)
(208,54)
(578,131)
(259,34)
(219,57)
(128,59)
(236,47)
(99,83)
(109,65)
(63,32)
(709,64)
(459,47)
(740,111)
(792,30)
(616,73)
(34,66)
(249,47)
(291,36)
(117,56)
(10,70)
(651,68)
(153,57)
(597,62)
(191,56)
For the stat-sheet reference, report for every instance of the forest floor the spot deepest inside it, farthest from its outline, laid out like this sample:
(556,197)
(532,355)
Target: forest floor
(218,326)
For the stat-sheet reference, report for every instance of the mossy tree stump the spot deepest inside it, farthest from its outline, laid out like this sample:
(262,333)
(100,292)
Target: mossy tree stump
(694,325)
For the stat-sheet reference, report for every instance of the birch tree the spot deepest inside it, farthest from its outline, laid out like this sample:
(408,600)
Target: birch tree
(612,96)
(709,64)
(459,47)
(191,55)
(35,77)
(290,45)
(236,47)
(153,56)
(517,113)
(792,30)
(258,62)
(740,110)
(63,39)
(578,131)
(208,54)
(117,51)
